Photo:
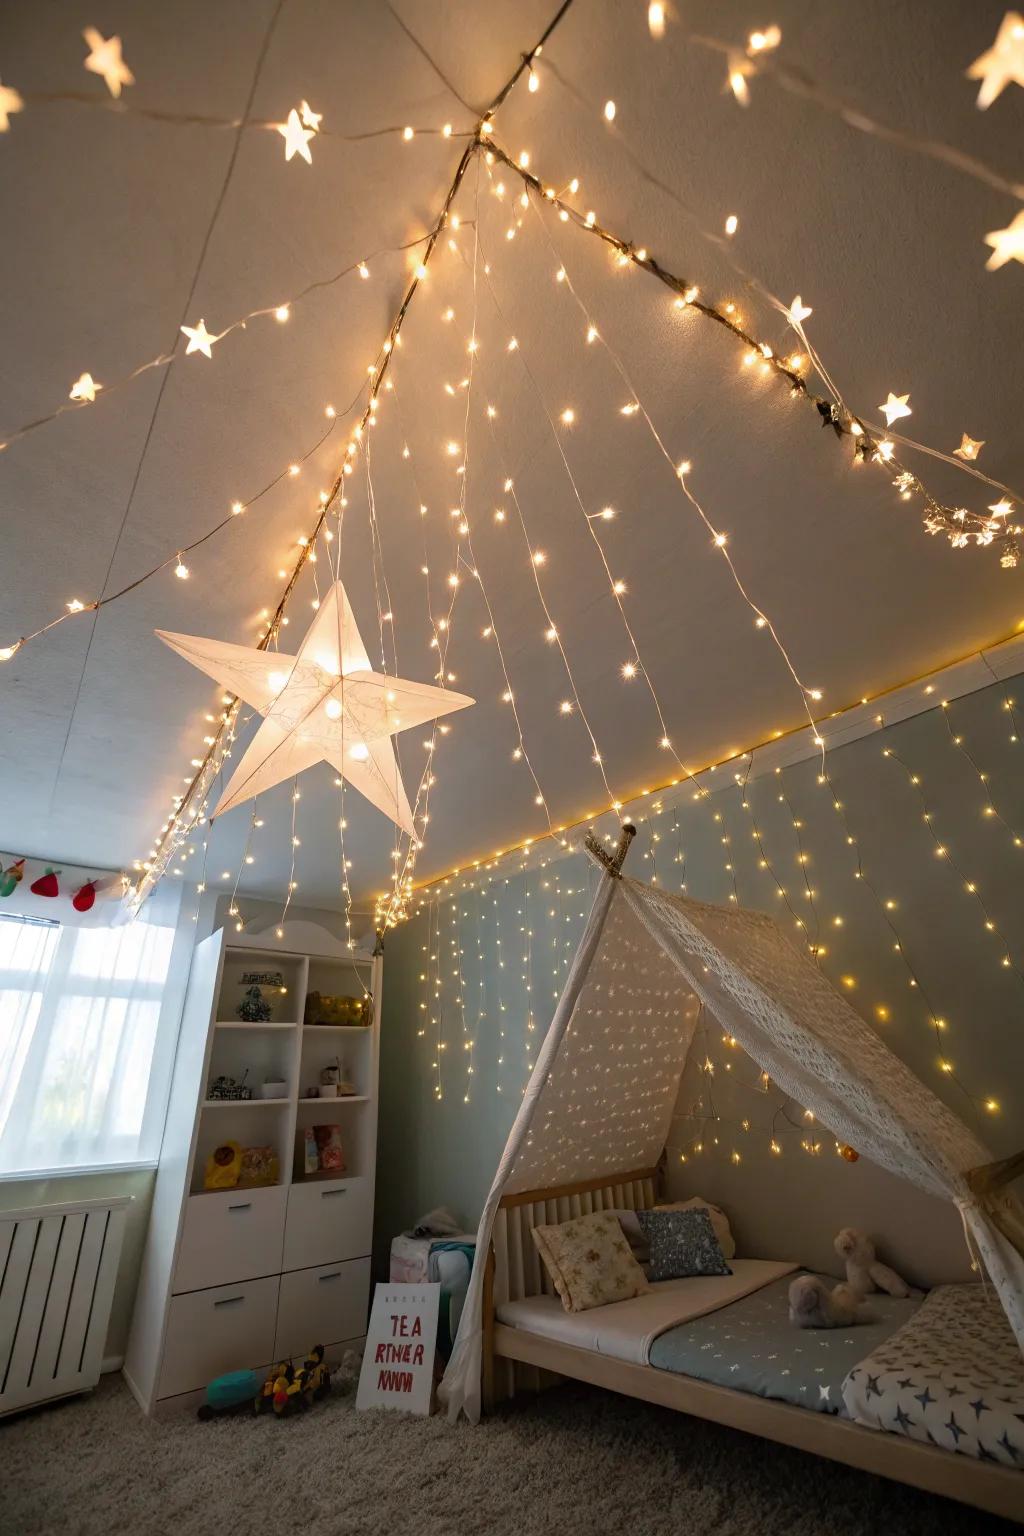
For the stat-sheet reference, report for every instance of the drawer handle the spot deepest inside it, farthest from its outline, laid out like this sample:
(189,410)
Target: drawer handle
(336,1276)
(325,1194)
(228,1301)
(246,1207)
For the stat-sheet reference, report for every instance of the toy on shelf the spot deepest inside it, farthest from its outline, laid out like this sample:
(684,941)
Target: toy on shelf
(333,1083)
(259,1167)
(227,1393)
(223,1166)
(254,1008)
(336,1010)
(230,1088)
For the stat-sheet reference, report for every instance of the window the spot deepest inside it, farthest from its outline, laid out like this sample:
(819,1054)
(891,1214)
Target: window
(88,1020)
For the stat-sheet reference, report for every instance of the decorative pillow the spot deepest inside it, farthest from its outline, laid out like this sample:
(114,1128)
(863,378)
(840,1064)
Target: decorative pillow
(683,1243)
(719,1220)
(589,1261)
(634,1234)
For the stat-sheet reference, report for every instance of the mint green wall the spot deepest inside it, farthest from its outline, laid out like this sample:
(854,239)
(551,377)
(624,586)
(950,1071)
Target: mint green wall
(445,1150)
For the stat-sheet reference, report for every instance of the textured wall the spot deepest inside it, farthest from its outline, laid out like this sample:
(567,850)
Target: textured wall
(499,951)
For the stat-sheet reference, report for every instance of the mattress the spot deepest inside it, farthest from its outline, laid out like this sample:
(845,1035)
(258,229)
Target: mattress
(952,1377)
(752,1346)
(626,1330)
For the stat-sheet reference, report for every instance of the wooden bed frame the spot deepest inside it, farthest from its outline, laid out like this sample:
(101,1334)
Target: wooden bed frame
(514,1271)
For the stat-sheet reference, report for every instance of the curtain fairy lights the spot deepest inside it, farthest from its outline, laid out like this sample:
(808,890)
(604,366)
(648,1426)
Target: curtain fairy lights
(959,524)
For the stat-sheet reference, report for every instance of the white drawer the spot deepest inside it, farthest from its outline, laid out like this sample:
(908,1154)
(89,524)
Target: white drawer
(230,1328)
(328,1221)
(232,1235)
(322,1306)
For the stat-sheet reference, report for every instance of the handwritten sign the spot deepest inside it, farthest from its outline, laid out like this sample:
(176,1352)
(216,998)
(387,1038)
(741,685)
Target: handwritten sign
(398,1364)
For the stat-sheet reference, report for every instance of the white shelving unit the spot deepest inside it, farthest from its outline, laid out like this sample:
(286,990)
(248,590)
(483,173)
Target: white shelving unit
(243,1277)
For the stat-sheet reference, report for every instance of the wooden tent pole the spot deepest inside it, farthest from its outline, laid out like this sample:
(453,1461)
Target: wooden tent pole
(612,862)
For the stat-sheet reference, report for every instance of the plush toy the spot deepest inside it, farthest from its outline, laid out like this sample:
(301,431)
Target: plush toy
(863,1271)
(813,1305)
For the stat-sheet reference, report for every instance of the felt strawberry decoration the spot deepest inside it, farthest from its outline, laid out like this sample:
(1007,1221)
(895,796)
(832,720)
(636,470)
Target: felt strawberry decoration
(84,897)
(46,885)
(11,878)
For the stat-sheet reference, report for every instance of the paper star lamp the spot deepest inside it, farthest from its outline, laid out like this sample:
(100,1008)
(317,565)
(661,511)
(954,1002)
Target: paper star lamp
(10,102)
(799,311)
(1007,244)
(895,407)
(296,138)
(1003,64)
(84,388)
(324,705)
(199,339)
(105,59)
(970,447)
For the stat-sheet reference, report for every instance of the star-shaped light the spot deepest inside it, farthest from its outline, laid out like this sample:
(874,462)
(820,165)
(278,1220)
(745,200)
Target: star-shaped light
(1003,64)
(199,339)
(325,704)
(1001,508)
(84,388)
(310,118)
(895,407)
(1007,244)
(970,447)
(105,59)
(296,138)
(798,311)
(10,102)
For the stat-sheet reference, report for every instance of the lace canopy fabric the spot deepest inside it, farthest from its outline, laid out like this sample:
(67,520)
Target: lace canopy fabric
(605,1083)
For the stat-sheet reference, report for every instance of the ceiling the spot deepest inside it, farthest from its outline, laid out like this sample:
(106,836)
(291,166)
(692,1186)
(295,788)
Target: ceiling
(121,227)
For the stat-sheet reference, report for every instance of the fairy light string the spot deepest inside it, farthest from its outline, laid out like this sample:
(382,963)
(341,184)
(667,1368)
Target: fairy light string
(944,853)
(869,445)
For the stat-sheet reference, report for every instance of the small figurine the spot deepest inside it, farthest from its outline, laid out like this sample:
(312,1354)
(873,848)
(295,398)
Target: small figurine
(254,1008)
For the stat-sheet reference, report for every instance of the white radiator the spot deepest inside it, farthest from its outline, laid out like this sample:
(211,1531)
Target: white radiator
(58,1265)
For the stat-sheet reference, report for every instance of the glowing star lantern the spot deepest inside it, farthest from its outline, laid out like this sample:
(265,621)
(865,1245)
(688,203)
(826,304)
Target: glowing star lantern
(1003,64)
(10,102)
(84,388)
(199,339)
(296,137)
(799,311)
(1007,244)
(895,407)
(323,705)
(970,447)
(310,118)
(105,59)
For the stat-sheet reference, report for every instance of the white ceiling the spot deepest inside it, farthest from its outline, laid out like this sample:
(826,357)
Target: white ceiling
(106,217)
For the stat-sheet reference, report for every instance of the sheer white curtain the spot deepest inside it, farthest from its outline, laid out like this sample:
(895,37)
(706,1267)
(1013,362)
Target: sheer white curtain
(88,1021)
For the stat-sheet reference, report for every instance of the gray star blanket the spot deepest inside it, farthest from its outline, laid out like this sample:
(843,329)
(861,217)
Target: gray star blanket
(952,1376)
(752,1346)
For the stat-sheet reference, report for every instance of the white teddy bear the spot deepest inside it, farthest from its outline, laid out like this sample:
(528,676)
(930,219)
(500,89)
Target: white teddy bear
(863,1271)
(813,1305)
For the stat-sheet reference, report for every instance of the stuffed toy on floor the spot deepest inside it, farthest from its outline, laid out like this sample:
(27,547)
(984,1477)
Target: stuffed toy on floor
(863,1271)
(813,1305)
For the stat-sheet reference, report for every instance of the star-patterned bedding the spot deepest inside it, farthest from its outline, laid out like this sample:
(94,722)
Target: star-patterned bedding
(952,1377)
(752,1346)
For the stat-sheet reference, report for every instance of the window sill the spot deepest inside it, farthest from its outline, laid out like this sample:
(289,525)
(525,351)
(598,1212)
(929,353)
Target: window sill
(24,1174)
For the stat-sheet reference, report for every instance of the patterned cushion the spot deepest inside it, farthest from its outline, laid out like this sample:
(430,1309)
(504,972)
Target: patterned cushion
(719,1220)
(589,1261)
(682,1243)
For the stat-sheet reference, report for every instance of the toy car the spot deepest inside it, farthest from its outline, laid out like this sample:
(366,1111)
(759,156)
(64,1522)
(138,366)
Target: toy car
(228,1392)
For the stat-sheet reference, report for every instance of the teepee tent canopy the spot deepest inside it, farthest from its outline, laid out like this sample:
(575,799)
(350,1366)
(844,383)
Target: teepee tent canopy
(602,1094)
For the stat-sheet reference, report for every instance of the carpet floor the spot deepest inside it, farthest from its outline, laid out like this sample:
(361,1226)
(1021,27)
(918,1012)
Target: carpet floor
(573,1460)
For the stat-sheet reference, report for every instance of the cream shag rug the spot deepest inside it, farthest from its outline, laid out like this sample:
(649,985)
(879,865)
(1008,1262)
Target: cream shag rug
(573,1460)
